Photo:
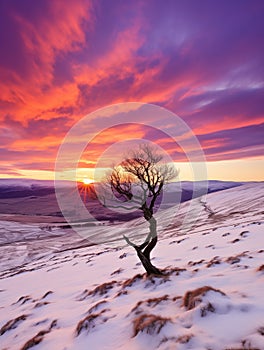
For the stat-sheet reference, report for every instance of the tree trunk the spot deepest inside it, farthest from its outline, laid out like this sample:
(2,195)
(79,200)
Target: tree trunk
(148,246)
(148,266)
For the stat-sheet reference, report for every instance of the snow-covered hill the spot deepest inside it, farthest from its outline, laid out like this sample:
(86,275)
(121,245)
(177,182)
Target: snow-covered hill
(27,200)
(72,296)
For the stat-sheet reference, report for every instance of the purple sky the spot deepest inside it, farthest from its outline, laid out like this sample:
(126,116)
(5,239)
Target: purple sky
(61,60)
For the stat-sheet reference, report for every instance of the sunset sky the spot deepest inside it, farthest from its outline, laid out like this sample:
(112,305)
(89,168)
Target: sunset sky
(62,60)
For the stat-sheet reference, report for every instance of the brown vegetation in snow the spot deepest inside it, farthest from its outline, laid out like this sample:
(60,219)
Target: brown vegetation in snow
(102,289)
(183,339)
(129,282)
(260,268)
(89,322)
(12,324)
(96,306)
(38,337)
(215,261)
(151,324)
(194,297)
(236,259)
(149,302)
(46,294)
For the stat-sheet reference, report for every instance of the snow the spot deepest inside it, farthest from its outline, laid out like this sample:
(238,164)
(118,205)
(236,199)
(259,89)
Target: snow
(223,250)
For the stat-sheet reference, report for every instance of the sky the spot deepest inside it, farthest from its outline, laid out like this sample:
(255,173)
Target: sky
(62,60)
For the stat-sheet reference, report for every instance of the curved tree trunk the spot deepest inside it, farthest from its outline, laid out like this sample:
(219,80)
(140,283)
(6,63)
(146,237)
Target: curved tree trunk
(144,250)
(148,266)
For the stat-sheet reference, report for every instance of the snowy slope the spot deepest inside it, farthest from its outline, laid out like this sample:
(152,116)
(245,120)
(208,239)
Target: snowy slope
(27,200)
(211,295)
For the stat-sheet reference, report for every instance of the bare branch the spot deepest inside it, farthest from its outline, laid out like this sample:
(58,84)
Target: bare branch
(139,181)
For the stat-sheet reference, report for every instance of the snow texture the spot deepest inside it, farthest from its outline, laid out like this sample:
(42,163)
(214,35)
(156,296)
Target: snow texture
(59,292)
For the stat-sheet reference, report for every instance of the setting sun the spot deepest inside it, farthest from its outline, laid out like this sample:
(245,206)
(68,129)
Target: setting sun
(87,181)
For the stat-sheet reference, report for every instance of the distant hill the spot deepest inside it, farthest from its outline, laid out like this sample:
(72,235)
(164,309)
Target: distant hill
(17,188)
(37,198)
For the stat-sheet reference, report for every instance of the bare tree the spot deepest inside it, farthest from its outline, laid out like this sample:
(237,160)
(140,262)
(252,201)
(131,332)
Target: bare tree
(142,169)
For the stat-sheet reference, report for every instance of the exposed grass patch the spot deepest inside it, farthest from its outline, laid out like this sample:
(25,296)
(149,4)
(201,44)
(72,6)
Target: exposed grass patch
(150,324)
(89,322)
(12,324)
(194,297)
(38,338)
(152,302)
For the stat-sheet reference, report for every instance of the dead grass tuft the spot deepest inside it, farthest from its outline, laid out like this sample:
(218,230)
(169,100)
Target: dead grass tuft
(38,337)
(89,322)
(225,234)
(150,324)
(23,299)
(214,261)
(260,268)
(235,240)
(167,339)
(172,271)
(236,258)
(121,292)
(206,309)
(117,272)
(184,339)
(152,302)
(233,260)
(244,233)
(35,340)
(41,303)
(12,324)
(194,297)
(194,263)
(46,294)
(96,306)
(129,282)
(102,288)
(149,281)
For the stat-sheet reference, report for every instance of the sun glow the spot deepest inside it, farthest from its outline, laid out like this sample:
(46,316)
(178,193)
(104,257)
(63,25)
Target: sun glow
(87,181)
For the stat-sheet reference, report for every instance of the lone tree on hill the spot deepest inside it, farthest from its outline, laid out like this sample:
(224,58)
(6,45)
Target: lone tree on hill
(143,171)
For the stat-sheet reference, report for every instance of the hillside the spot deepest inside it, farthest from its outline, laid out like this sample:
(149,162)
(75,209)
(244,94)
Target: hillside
(27,200)
(75,297)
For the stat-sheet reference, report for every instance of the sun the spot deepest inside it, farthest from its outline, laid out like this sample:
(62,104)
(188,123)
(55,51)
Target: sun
(87,181)
(86,189)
